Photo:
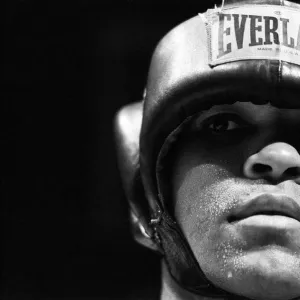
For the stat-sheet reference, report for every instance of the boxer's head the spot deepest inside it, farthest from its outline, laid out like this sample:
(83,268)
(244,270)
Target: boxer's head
(219,153)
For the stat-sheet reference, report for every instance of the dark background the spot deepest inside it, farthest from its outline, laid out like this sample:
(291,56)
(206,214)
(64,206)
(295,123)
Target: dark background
(68,66)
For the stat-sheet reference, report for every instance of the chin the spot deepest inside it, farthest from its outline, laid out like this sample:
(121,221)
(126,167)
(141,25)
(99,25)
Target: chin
(269,274)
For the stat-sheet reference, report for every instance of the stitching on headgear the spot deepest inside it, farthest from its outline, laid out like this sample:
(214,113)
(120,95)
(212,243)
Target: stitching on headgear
(280,71)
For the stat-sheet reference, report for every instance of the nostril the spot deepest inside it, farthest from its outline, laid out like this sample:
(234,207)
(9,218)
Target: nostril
(292,172)
(261,168)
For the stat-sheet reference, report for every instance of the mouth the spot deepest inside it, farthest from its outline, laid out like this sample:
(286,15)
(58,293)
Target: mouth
(269,205)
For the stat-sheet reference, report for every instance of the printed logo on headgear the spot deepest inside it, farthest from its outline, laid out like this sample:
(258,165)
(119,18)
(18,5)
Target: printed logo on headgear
(253,32)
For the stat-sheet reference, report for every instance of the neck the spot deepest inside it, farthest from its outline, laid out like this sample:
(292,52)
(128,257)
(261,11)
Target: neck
(172,291)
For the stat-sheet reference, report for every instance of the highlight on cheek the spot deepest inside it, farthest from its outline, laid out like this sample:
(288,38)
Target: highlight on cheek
(201,200)
(202,204)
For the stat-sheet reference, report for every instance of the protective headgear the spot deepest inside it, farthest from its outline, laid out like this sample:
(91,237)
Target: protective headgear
(245,46)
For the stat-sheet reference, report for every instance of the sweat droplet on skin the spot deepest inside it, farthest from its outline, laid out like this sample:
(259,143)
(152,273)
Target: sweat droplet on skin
(230,258)
(209,200)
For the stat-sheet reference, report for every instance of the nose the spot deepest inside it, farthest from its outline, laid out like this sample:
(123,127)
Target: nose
(277,162)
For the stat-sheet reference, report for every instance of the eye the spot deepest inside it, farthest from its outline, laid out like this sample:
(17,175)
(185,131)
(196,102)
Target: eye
(220,124)
(222,127)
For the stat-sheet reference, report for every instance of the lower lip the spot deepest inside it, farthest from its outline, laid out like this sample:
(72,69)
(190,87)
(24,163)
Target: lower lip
(274,221)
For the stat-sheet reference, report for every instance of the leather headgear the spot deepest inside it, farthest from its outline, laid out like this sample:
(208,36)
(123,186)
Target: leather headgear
(181,68)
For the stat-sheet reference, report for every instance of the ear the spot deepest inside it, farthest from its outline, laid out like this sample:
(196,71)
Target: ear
(127,126)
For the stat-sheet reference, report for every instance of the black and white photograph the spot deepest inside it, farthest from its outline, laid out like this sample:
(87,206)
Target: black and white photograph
(150,150)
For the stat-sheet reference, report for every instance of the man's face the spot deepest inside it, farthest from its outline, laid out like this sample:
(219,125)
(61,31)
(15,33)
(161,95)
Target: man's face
(236,190)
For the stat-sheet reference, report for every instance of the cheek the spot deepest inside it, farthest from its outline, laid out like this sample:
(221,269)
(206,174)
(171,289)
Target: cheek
(206,185)
(203,188)
(203,199)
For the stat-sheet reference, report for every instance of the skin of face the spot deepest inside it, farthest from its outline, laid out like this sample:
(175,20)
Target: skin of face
(213,175)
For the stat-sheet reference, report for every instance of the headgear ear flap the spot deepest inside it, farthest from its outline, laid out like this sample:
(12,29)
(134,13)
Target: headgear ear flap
(127,127)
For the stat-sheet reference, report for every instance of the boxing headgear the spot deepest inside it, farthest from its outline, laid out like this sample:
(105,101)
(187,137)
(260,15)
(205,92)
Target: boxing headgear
(242,46)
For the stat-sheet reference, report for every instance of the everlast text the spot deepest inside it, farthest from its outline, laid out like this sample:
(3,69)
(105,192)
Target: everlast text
(262,31)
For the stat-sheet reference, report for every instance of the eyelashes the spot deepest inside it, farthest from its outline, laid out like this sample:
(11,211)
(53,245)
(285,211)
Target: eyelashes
(220,122)
(223,122)
(222,126)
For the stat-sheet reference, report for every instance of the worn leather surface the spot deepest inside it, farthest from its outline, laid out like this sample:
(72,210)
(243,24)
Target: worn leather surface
(127,126)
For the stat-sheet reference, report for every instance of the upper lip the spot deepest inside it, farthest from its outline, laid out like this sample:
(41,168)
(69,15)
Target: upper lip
(268,204)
